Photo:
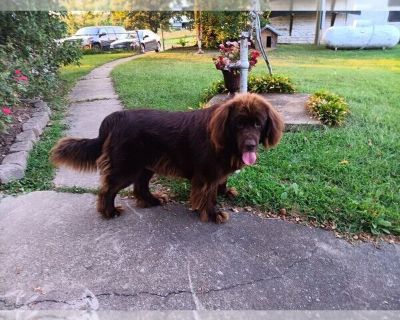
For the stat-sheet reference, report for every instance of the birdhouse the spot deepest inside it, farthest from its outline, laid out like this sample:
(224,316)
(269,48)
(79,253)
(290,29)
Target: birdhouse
(269,37)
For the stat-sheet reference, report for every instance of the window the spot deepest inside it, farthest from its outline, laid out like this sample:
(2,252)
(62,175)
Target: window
(394,16)
(110,30)
(87,31)
(119,30)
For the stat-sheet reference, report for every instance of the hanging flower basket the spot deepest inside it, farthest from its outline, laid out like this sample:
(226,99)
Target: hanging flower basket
(228,61)
(231,80)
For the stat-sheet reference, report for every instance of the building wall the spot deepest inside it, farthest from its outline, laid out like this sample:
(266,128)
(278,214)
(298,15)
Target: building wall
(375,11)
(303,30)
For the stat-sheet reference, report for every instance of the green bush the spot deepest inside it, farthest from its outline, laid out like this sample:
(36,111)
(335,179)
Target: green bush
(256,84)
(29,55)
(183,42)
(271,84)
(328,107)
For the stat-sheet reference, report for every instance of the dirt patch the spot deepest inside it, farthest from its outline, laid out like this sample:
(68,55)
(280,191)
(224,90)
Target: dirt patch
(20,115)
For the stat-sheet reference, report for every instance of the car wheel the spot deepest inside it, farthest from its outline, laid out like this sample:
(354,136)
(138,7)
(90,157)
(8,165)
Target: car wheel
(142,48)
(158,49)
(96,47)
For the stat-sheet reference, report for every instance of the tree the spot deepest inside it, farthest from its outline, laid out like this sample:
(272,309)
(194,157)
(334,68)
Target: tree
(77,20)
(149,19)
(220,26)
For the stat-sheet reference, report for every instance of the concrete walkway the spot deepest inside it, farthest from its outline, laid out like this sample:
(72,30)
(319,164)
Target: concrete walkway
(56,252)
(92,99)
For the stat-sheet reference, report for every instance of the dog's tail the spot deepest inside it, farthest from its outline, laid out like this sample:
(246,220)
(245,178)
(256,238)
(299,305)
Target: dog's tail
(78,154)
(81,154)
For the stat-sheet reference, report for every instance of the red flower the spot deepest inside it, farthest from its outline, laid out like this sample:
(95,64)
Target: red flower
(18,72)
(6,111)
(254,54)
(22,79)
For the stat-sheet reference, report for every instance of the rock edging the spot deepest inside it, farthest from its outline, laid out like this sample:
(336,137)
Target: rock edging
(14,164)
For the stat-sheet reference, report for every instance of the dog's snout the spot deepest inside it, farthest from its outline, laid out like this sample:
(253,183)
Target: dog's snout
(250,144)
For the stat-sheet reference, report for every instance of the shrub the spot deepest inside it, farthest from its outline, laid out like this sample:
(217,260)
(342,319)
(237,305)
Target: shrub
(328,107)
(256,84)
(183,42)
(271,83)
(29,55)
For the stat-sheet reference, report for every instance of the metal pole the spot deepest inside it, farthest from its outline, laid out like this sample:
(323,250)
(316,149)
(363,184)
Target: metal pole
(244,60)
(162,37)
(317,23)
(323,7)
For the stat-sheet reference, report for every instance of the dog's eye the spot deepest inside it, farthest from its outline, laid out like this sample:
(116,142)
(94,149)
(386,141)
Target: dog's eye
(240,125)
(257,125)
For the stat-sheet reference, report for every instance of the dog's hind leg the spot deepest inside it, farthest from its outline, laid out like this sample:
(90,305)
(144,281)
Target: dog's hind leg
(111,185)
(144,198)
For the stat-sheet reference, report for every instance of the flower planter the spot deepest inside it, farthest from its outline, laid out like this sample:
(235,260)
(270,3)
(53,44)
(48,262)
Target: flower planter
(231,80)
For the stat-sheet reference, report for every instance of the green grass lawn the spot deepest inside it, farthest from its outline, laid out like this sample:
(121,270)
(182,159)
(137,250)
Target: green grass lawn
(171,38)
(39,173)
(348,176)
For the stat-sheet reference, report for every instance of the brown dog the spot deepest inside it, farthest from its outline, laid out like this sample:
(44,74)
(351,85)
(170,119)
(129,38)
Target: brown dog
(204,146)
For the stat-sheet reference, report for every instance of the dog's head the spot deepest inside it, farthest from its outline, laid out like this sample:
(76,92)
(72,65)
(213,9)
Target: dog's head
(243,122)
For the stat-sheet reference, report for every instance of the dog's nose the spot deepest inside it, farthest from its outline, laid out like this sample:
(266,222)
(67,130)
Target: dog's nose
(250,144)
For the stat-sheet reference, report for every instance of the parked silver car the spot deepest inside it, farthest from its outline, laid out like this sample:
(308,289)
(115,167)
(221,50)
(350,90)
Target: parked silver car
(99,37)
(144,40)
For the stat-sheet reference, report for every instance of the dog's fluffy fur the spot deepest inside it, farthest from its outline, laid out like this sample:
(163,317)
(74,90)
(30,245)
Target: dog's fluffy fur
(204,146)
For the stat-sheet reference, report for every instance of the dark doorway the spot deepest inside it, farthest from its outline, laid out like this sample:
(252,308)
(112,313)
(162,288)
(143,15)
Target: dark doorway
(269,42)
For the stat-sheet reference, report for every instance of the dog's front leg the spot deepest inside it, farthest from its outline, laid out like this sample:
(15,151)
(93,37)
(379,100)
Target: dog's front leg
(203,198)
(230,193)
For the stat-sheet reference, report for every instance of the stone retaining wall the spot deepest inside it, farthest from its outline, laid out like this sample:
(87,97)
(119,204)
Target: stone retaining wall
(14,164)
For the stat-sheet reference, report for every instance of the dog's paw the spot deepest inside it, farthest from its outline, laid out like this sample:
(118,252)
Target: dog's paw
(119,210)
(221,217)
(231,193)
(217,217)
(112,213)
(152,202)
(162,196)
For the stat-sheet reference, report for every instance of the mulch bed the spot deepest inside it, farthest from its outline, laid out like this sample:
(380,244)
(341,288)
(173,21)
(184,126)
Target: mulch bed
(19,116)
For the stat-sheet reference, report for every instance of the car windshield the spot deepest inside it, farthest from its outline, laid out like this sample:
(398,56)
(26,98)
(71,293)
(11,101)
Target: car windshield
(87,31)
(129,35)
(132,35)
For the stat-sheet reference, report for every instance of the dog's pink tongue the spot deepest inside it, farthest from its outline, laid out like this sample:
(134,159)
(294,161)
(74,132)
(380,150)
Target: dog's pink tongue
(249,158)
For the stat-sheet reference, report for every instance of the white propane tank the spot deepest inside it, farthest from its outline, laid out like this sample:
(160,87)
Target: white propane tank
(362,35)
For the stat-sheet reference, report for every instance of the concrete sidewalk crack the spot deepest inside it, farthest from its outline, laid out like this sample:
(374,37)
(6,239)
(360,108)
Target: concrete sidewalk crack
(233,286)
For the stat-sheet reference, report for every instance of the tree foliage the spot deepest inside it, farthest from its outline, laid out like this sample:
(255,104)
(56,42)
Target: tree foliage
(149,19)
(220,26)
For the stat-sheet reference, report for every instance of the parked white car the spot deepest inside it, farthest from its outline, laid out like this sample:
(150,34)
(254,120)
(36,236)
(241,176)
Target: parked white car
(145,40)
(149,40)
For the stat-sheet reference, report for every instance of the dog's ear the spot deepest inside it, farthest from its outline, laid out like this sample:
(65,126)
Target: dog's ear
(218,124)
(273,127)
